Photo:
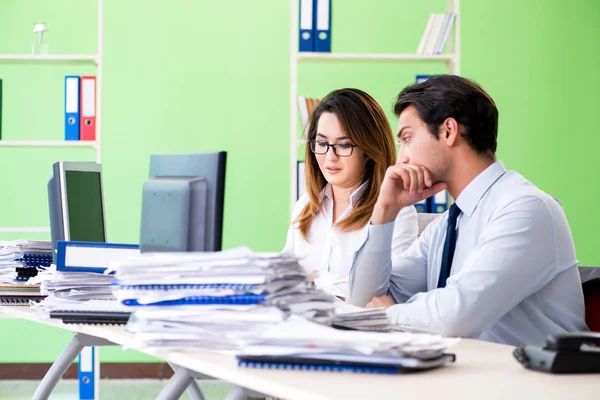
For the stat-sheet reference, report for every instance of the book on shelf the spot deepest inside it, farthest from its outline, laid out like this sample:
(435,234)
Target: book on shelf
(436,33)
(306,106)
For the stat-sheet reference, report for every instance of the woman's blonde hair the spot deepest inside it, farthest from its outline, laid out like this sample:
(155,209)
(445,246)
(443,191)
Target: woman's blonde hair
(366,125)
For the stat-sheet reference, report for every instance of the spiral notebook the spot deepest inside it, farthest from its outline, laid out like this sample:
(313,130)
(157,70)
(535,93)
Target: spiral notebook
(345,363)
(198,300)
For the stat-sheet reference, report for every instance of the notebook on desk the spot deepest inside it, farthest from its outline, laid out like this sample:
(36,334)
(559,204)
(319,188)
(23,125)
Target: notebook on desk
(345,362)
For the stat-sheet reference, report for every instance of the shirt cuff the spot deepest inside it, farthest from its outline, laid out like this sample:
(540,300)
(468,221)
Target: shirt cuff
(380,239)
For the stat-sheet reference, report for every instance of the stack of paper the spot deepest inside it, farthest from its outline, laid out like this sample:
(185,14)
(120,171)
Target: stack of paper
(371,319)
(21,259)
(301,344)
(15,293)
(75,292)
(214,300)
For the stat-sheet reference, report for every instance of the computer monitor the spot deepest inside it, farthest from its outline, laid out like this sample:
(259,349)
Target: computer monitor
(76,202)
(182,203)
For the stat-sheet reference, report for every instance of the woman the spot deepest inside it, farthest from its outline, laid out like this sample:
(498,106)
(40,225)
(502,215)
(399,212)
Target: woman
(350,146)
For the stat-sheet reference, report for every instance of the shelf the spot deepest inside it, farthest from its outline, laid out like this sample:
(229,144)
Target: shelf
(47,143)
(48,57)
(373,56)
(24,230)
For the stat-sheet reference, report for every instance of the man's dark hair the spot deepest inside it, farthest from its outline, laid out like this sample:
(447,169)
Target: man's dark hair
(450,96)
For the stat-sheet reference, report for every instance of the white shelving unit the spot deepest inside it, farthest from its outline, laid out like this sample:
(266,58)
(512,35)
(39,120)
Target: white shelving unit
(48,57)
(63,58)
(451,59)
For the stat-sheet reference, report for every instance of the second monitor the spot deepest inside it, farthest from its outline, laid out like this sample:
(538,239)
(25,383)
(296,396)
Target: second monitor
(182,203)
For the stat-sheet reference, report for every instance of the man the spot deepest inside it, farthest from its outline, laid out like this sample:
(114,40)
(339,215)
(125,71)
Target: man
(500,265)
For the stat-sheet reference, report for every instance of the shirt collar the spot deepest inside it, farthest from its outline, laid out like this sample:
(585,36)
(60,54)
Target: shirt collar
(327,192)
(471,195)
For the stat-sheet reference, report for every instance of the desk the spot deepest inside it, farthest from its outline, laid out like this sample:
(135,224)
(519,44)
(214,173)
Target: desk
(482,371)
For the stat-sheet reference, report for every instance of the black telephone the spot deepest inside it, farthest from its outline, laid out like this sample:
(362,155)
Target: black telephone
(564,353)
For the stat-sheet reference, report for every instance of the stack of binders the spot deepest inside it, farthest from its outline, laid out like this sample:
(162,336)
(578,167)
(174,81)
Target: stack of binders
(315,26)
(214,300)
(80,107)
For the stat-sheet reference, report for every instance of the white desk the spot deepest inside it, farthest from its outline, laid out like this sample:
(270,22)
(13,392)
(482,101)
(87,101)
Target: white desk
(482,371)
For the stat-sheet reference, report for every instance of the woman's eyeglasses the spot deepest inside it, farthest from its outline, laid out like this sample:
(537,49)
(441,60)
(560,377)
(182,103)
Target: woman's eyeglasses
(340,150)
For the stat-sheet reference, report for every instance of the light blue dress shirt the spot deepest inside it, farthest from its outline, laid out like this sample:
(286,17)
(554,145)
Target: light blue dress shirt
(514,276)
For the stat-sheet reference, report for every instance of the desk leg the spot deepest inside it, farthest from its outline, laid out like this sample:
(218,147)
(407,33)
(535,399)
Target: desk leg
(176,385)
(62,363)
(240,393)
(58,369)
(194,391)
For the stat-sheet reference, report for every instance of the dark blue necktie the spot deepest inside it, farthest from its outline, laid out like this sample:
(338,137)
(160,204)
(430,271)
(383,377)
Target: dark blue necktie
(449,245)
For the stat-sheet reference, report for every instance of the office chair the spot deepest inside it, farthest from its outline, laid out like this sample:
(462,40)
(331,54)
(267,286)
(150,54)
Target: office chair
(590,282)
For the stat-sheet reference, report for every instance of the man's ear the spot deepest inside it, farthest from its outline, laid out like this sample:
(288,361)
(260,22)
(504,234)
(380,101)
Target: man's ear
(450,131)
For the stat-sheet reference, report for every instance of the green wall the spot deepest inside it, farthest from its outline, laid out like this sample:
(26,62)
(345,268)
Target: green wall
(212,76)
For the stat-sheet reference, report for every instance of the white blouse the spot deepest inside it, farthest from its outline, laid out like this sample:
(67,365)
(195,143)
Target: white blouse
(331,252)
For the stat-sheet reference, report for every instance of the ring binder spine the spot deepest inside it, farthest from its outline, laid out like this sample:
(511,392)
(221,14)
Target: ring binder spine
(179,286)
(319,367)
(199,300)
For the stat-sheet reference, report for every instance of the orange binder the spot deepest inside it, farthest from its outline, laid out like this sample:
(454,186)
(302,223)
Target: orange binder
(88,108)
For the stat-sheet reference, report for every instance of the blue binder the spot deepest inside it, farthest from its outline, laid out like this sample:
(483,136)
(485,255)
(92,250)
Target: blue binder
(439,202)
(91,256)
(422,206)
(422,78)
(86,369)
(360,369)
(72,108)
(234,299)
(323,25)
(307,26)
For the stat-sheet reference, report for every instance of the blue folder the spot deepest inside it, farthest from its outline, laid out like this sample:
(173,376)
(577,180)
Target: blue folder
(306,26)
(72,105)
(90,264)
(322,10)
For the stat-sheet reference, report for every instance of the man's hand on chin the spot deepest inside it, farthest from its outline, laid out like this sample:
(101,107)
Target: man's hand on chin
(380,302)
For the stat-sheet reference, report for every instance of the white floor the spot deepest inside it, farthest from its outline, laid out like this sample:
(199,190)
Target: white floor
(121,389)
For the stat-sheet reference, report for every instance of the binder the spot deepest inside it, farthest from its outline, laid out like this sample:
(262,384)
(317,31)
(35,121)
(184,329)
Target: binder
(422,78)
(318,367)
(332,362)
(323,26)
(439,202)
(86,372)
(72,115)
(0,109)
(35,260)
(244,299)
(91,256)
(307,30)
(422,206)
(88,108)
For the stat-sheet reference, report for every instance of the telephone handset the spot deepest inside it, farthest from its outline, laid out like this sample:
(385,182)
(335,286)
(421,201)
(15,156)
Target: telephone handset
(563,353)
